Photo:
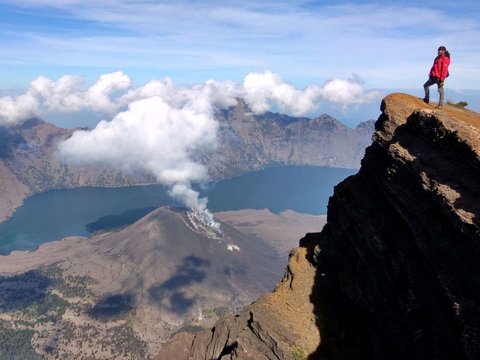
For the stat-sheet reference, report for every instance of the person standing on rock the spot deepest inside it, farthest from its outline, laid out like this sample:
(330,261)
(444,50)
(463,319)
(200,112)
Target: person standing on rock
(438,74)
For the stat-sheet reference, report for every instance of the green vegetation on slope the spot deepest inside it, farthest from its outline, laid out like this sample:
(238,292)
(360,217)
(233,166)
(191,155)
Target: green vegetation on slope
(16,343)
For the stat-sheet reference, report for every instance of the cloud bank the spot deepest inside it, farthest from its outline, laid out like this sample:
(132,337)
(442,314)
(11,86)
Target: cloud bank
(113,92)
(66,95)
(157,127)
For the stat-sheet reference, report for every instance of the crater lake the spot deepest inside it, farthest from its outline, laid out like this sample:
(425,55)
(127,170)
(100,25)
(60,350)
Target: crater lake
(56,214)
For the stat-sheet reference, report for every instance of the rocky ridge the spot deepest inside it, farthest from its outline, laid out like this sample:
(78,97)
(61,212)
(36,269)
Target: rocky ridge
(394,274)
(251,142)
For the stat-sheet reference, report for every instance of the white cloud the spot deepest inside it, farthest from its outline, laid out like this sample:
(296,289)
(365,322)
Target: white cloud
(63,95)
(155,137)
(262,89)
(220,93)
(113,91)
(20,107)
(66,95)
(99,95)
(163,88)
(346,92)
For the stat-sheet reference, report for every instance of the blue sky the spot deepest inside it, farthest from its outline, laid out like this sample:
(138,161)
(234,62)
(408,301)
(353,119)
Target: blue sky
(389,45)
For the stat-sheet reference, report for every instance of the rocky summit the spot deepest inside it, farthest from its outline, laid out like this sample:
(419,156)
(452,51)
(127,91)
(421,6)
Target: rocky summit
(395,273)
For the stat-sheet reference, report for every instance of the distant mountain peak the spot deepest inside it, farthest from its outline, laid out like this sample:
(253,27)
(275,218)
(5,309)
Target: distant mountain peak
(30,123)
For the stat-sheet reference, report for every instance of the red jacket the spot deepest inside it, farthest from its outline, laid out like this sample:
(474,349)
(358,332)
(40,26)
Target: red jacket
(439,69)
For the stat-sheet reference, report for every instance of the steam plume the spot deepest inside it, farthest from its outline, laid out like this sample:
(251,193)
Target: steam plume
(156,137)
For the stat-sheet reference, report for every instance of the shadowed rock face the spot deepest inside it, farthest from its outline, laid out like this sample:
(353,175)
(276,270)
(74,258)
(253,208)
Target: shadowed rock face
(399,251)
(395,273)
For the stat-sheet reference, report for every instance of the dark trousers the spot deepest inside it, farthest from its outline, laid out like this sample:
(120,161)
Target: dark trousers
(432,81)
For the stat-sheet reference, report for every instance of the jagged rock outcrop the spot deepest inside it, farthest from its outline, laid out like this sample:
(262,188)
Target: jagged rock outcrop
(277,326)
(395,273)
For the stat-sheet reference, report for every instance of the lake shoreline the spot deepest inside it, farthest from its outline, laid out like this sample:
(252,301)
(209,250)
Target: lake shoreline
(61,213)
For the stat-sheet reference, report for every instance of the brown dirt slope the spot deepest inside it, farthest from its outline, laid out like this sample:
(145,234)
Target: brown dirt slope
(123,294)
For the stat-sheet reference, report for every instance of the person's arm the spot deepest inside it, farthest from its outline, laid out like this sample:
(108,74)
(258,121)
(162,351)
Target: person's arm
(443,70)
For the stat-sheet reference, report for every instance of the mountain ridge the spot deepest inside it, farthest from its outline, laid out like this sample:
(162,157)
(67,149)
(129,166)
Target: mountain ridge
(28,161)
(252,142)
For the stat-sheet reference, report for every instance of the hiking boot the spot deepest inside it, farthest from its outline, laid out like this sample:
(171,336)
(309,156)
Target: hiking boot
(426,101)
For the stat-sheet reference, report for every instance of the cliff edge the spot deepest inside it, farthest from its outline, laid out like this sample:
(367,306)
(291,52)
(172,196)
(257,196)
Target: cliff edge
(395,273)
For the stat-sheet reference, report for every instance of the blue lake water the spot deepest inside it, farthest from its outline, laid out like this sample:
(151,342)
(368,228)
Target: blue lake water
(60,213)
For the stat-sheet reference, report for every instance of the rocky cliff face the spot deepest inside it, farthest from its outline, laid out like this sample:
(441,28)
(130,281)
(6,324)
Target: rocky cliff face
(252,142)
(395,273)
